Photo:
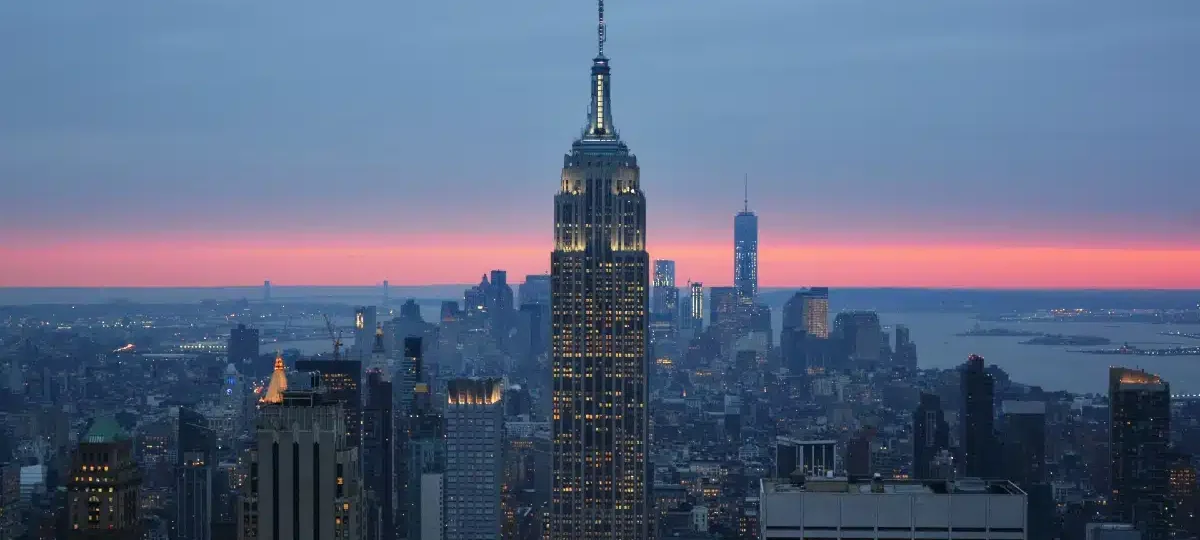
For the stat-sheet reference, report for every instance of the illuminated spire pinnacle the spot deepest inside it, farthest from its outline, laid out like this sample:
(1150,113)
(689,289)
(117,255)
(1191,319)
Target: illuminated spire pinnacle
(600,111)
(278,382)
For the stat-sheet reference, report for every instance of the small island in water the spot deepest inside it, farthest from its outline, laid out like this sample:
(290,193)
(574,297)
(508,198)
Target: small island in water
(1074,341)
(1038,338)
(997,332)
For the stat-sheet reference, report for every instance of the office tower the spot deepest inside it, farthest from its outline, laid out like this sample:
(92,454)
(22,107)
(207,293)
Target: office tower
(860,335)
(803,338)
(1140,429)
(194,476)
(243,345)
(424,469)
(194,497)
(432,510)
(664,279)
(408,380)
(722,305)
(11,525)
(978,419)
(1112,531)
(931,435)
(533,330)
(305,479)
(1023,424)
(600,280)
(535,290)
(474,458)
(695,316)
(816,312)
(386,293)
(836,508)
(808,458)
(500,305)
(365,321)
(745,252)
(341,380)
(102,491)
(267,291)
(278,383)
(1183,495)
(378,456)
(906,350)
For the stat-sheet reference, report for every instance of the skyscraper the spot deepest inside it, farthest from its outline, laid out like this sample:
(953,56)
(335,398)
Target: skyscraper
(805,330)
(243,345)
(978,418)
(341,380)
(859,335)
(378,457)
(745,252)
(102,491)
(305,479)
(365,320)
(474,458)
(535,290)
(695,319)
(931,435)
(664,296)
(600,279)
(194,464)
(1140,424)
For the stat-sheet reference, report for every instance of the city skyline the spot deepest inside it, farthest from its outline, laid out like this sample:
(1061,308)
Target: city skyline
(905,178)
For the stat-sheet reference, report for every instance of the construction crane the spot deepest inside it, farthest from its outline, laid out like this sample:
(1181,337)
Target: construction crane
(336,337)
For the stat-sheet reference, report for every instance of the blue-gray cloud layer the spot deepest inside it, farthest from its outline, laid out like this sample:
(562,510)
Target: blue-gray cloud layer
(983,118)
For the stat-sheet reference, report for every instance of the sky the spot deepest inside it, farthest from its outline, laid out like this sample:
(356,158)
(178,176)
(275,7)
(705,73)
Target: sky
(928,143)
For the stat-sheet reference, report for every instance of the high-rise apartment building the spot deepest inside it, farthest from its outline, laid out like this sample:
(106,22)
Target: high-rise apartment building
(305,479)
(978,436)
(931,435)
(1023,424)
(1140,433)
(341,380)
(474,458)
(102,490)
(745,253)
(600,279)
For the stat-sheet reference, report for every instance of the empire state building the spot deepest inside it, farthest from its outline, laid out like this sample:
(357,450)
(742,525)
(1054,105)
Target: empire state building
(599,300)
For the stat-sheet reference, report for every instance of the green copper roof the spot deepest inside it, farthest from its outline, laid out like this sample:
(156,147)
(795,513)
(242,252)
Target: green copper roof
(105,429)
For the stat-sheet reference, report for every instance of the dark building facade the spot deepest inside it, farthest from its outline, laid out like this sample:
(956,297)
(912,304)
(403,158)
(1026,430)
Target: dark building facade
(341,381)
(378,457)
(1140,432)
(931,435)
(243,345)
(600,281)
(978,419)
(103,489)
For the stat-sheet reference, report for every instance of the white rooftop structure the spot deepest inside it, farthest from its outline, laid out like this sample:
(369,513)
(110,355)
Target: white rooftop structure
(837,508)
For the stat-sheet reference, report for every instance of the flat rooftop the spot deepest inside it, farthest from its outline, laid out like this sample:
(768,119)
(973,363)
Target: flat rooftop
(868,486)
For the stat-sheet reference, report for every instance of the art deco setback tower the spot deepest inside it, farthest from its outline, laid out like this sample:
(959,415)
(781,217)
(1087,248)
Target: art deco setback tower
(599,302)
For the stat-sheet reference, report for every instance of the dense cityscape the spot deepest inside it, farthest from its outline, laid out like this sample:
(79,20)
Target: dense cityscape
(608,399)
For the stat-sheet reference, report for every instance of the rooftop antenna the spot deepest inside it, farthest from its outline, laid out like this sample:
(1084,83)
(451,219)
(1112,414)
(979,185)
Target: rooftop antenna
(746,193)
(600,28)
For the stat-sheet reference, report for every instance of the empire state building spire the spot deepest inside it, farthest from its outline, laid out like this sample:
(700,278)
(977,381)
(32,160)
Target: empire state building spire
(600,111)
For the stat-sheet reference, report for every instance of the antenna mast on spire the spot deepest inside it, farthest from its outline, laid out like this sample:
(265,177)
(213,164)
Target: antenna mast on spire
(600,28)
(746,193)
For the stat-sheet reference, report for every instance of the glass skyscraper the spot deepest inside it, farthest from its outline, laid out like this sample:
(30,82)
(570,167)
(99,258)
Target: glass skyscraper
(600,279)
(745,254)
